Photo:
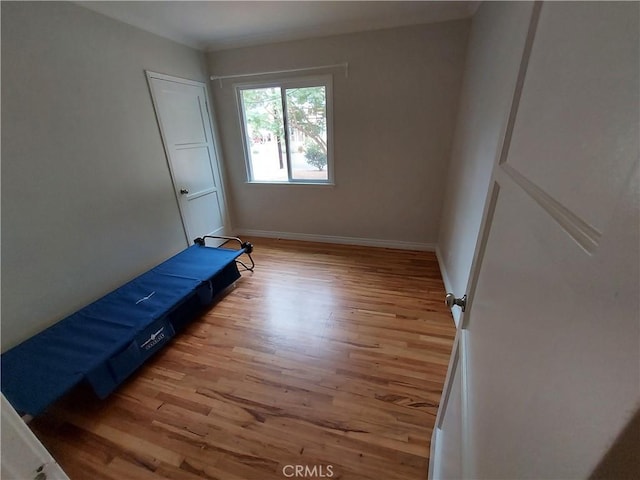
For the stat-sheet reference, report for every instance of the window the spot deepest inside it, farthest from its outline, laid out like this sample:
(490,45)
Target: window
(286,127)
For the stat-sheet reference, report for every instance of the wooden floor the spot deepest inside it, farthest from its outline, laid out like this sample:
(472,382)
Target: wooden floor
(330,357)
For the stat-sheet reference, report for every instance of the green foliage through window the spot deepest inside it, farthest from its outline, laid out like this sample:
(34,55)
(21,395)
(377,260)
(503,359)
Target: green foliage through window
(286,132)
(315,156)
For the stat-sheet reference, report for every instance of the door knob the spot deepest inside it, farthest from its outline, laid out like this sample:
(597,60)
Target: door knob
(184,191)
(450,300)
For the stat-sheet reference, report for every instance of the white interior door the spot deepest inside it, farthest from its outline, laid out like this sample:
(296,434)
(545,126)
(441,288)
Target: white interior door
(183,114)
(446,447)
(548,360)
(23,456)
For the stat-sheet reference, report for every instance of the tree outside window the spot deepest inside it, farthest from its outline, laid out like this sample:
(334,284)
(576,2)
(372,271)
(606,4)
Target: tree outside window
(286,135)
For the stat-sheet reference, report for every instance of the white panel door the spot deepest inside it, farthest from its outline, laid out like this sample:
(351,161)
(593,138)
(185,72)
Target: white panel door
(183,115)
(552,330)
(447,443)
(23,456)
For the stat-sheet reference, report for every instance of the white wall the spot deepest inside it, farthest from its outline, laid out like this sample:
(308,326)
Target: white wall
(87,200)
(496,43)
(393,125)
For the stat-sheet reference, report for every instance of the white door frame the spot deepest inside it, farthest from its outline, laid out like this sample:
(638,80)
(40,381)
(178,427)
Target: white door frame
(215,140)
(458,352)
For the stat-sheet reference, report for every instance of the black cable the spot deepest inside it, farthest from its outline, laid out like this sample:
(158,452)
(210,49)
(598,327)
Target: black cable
(246,246)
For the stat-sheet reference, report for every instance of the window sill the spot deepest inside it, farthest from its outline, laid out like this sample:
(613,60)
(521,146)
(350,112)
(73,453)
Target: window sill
(306,184)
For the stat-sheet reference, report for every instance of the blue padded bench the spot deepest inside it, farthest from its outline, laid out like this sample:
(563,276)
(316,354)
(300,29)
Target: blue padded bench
(108,340)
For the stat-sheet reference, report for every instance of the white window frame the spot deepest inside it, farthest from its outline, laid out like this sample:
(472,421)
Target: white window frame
(325,81)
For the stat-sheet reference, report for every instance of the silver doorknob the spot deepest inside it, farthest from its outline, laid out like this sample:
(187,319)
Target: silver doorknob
(450,300)
(184,191)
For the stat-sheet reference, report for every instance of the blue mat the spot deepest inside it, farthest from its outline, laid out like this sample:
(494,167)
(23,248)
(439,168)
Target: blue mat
(109,339)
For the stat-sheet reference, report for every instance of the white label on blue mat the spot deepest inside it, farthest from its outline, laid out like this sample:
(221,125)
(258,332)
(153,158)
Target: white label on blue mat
(146,298)
(154,339)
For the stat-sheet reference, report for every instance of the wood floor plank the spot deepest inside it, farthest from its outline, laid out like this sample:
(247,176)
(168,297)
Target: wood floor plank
(325,355)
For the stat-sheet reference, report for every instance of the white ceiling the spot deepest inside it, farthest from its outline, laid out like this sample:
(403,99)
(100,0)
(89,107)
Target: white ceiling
(217,25)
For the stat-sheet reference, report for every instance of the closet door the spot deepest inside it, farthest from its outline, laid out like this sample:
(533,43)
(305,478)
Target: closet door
(184,118)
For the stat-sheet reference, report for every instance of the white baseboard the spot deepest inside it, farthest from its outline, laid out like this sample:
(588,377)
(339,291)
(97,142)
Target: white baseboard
(365,242)
(456,312)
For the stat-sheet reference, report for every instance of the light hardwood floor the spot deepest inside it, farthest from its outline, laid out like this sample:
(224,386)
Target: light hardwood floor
(327,356)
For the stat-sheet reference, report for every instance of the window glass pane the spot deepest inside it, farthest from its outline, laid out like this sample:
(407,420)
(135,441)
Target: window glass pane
(307,124)
(265,133)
